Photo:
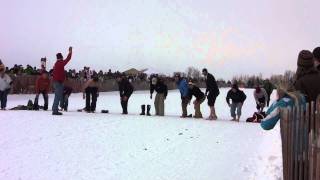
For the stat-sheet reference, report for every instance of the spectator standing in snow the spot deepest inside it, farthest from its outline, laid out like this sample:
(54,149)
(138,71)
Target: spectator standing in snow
(212,93)
(307,77)
(58,79)
(268,86)
(91,93)
(200,97)
(42,87)
(261,98)
(184,92)
(125,90)
(5,85)
(237,99)
(158,85)
(316,54)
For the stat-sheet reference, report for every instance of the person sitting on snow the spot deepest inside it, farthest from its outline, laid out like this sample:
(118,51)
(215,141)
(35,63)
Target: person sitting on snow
(91,93)
(261,97)
(42,87)
(184,92)
(200,97)
(238,97)
(284,99)
(5,85)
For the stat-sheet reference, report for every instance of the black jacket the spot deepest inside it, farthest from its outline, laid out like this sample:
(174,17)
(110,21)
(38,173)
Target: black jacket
(309,85)
(236,97)
(125,88)
(196,92)
(160,87)
(212,86)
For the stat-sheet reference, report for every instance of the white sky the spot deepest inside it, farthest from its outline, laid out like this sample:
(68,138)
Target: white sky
(229,37)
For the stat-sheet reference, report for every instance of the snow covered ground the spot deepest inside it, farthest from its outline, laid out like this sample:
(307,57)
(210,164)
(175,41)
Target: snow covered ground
(75,146)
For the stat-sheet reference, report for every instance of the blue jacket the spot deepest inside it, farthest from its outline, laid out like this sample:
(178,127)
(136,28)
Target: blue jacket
(183,88)
(273,113)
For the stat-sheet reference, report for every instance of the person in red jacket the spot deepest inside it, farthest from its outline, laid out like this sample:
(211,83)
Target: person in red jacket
(42,87)
(58,79)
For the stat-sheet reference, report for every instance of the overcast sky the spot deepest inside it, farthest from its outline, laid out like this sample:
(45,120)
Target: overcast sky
(228,37)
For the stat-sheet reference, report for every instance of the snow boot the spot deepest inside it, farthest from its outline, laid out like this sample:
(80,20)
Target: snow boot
(57,113)
(148,110)
(143,110)
(105,111)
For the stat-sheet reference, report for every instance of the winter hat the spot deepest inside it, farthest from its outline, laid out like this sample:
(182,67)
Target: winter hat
(316,53)
(305,59)
(59,56)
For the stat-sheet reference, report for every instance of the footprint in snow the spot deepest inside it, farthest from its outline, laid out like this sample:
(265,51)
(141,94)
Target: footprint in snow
(180,134)
(272,158)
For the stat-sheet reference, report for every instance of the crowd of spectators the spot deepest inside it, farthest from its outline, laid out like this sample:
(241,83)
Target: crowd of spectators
(85,73)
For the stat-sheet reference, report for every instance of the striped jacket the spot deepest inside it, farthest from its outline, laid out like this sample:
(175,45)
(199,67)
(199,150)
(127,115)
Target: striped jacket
(273,113)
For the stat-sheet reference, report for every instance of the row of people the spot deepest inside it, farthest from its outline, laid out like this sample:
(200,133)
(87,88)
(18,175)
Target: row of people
(307,75)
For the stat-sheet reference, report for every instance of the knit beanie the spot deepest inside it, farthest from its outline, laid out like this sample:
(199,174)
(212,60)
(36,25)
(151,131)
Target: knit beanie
(316,53)
(305,59)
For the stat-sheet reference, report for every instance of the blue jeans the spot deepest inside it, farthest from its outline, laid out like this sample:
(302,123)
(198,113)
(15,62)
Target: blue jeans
(3,98)
(234,107)
(58,96)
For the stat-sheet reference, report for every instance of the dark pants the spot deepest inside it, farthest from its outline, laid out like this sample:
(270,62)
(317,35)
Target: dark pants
(91,98)
(65,102)
(211,99)
(184,105)
(58,95)
(124,105)
(45,98)
(3,98)
(262,101)
(268,102)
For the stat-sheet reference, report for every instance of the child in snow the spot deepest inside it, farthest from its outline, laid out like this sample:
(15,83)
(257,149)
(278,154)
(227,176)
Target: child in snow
(284,99)
(5,85)
(58,79)
(42,87)
(91,93)
(125,90)
(158,85)
(261,97)
(237,97)
(200,97)
(184,91)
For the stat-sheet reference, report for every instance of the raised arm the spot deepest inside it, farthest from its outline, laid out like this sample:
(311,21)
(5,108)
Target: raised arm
(66,61)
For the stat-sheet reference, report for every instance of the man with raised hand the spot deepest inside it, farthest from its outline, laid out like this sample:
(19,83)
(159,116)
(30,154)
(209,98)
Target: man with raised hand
(58,79)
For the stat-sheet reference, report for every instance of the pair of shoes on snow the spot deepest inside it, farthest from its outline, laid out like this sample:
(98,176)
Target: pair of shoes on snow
(235,119)
(212,118)
(143,110)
